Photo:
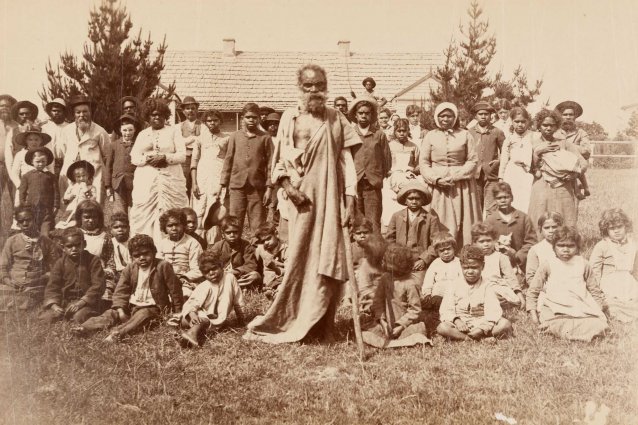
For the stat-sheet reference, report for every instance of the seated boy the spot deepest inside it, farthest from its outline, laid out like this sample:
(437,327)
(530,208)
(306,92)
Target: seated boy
(76,284)
(180,249)
(192,223)
(27,258)
(120,230)
(212,302)
(470,308)
(147,289)
(271,254)
(237,254)
(498,270)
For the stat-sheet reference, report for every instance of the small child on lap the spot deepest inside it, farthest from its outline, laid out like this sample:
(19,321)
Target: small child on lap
(470,308)
(212,302)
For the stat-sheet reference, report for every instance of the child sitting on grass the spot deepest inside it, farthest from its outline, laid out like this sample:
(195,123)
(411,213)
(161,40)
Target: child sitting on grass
(470,308)
(212,302)
(574,306)
(415,227)
(120,230)
(80,174)
(90,219)
(147,290)
(237,254)
(179,249)
(614,262)
(512,224)
(76,283)
(397,304)
(27,258)
(497,270)
(271,254)
(440,275)
(191,226)
(541,252)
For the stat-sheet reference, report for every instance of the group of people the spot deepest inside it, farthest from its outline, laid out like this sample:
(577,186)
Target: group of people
(442,230)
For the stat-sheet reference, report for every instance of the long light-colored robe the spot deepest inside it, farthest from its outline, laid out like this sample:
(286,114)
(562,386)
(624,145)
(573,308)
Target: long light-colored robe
(324,171)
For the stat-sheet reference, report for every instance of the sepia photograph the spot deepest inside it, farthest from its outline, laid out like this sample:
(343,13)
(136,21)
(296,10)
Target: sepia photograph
(319,212)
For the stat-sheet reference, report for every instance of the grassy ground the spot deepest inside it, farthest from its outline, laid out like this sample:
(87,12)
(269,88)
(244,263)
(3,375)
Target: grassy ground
(49,376)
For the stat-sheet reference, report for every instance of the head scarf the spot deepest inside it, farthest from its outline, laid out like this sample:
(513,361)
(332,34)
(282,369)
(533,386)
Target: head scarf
(442,107)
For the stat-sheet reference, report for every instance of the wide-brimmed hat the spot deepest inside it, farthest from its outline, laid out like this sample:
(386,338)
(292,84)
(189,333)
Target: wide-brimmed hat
(273,117)
(216,213)
(21,138)
(417,185)
(570,104)
(24,104)
(28,158)
(189,100)
(80,100)
(57,101)
(363,98)
(126,117)
(90,169)
(12,100)
(365,80)
(483,106)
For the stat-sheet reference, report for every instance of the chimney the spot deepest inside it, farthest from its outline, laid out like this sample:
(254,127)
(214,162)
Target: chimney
(229,47)
(344,47)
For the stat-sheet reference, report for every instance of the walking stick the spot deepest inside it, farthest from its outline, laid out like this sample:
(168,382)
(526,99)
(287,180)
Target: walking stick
(354,296)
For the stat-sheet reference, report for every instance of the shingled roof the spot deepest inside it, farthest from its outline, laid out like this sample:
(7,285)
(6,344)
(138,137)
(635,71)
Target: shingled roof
(227,80)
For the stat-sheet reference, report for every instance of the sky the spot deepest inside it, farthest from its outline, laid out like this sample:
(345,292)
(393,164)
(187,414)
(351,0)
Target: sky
(583,50)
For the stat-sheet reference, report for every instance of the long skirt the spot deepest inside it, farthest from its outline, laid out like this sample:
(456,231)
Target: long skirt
(458,208)
(545,198)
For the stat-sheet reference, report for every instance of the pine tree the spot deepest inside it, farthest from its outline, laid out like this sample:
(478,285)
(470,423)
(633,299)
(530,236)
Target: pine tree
(112,66)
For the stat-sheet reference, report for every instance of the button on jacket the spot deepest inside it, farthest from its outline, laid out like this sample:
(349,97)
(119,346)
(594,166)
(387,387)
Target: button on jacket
(489,142)
(372,158)
(247,160)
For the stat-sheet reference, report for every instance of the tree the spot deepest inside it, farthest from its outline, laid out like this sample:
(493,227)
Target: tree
(632,126)
(594,130)
(464,76)
(112,66)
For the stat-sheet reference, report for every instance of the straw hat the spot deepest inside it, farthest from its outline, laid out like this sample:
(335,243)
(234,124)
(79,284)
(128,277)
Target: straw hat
(417,185)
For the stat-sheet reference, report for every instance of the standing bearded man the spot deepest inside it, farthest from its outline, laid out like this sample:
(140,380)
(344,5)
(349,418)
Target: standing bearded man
(314,165)
(82,139)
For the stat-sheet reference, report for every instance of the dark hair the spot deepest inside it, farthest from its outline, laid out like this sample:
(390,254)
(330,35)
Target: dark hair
(499,104)
(471,252)
(547,113)
(119,216)
(92,207)
(483,229)
(412,108)
(402,123)
(250,107)
(71,232)
(189,212)
(214,113)
(502,187)
(385,111)
(361,220)
(176,213)
(374,248)
(519,110)
(398,260)
(211,258)
(334,102)
(140,242)
(229,221)
(551,215)
(614,217)
(313,67)
(265,230)
(567,233)
(23,208)
(352,115)
(443,238)
(156,104)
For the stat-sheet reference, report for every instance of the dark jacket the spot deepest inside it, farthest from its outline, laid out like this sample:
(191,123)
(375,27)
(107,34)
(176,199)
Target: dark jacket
(117,164)
(40,188)
(247,161)
(73,281)
(418,237)
(372,158)
(488,148)
(523,234)
(165,286)
(242,258)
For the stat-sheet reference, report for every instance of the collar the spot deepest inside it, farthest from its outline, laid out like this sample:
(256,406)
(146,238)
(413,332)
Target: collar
(92,232)
(619,243)
(483,130)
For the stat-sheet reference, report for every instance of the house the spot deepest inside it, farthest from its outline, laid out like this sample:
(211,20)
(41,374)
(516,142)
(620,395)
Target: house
(228,79)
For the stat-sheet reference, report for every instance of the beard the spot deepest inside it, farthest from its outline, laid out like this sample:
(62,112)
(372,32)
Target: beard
(314,102)
(568,125)
(83,124)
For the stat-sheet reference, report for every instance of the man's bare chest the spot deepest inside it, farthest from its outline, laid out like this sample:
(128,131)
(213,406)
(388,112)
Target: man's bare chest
(305,127)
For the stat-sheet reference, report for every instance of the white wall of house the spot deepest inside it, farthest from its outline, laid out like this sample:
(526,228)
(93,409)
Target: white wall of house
(417,95)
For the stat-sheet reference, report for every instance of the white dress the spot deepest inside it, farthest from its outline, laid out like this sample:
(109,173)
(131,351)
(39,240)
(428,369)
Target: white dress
(517,148)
